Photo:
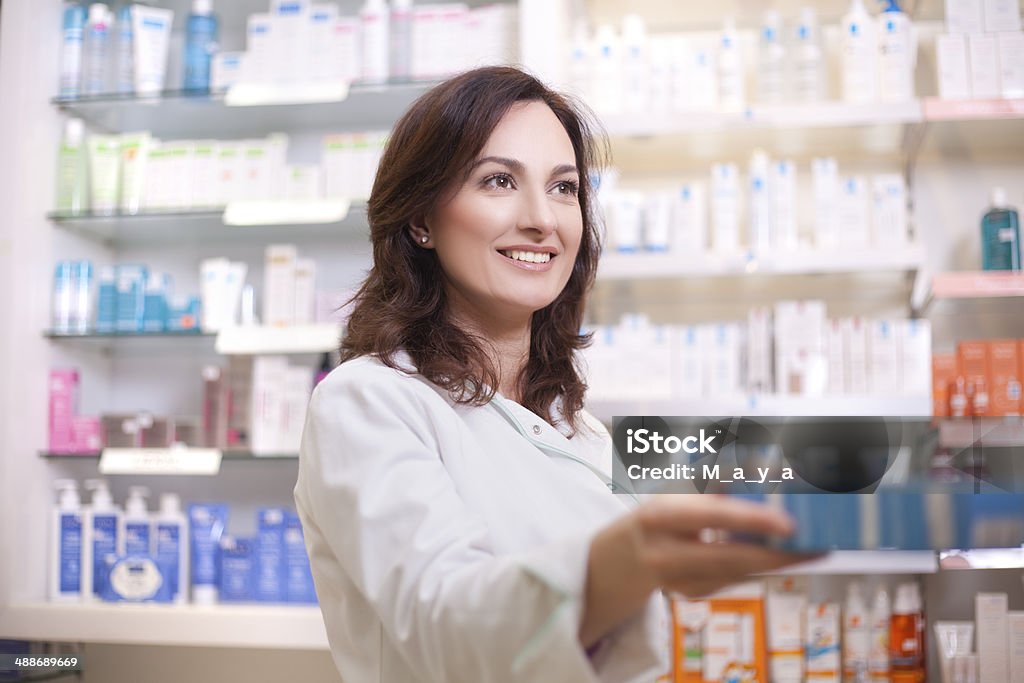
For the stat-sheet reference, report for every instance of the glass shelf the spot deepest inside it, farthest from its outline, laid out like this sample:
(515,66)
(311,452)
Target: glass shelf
(180,114)
(226,454)
(205,226)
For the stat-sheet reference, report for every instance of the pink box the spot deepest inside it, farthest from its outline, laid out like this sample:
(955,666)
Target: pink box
(63,407)
(87,433)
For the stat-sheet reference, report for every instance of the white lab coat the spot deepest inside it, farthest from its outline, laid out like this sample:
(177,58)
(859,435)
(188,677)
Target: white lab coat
(449,542)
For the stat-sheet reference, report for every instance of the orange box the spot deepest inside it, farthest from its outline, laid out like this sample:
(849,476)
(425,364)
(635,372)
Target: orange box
(943,374)
(972,361)
(689,617)
(1004,377)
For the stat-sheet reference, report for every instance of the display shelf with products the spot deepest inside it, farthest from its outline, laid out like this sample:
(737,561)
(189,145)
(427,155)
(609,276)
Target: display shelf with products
(241,340)
(991,432)
(176,114)
(615,266)
(245,626)
(953,286)
(226,454)
(769,404)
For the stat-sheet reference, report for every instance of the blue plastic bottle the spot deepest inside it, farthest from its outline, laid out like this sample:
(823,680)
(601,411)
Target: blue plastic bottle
(1000,235)
(71,50)
(200,46)
(96,49)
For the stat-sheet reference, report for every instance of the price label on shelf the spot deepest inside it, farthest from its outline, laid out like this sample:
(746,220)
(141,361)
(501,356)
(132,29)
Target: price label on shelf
(189,461)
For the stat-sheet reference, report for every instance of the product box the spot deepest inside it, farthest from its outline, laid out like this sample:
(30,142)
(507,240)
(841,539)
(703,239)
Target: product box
(1001,15)
(226,69)
(87,433)
(915,341)
(346,48)
(889,210)
(269,377)
(302,182)
(822,644)
(759,350)
(855,343)
(237,569)
(183,314)
(854,211)
(154,309)
(259,51)
(299,586)
(120,431)
(279,285)
(688,361)
(203,175)
(725,208)
(305,291)
(991,625)
(964,16)
(1004,380)
(297,389)
(1015,621)
(786,607)
(952,71)
(180,154)
(229,172)
(323,62)
(835,352)
(944,371)
(972,360)
(689,620)
(782,190)
(825,183)
(289,40)
(723,356)
(734,646)
(63,408)
(690,216)
(131,293)
(106,300)
(270,560)
(1011,63)
(983,56)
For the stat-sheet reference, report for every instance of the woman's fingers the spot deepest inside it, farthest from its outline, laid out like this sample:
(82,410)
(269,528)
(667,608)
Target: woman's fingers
(689,514)
(674,560)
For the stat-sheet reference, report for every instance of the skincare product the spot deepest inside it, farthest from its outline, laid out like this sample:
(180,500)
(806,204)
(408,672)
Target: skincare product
(771,60)
(270,559)
(201,36)
(206,526)
(151,34)
(731,90)
(102,534)
(171,541)
(856,634)
(66,545)
(881,617)
(104,173)
(897,55)
(907,635)
(1000,235)
(375,41)
(858,55)
(124,58)
(809,62)
(137,522)
(96,51)
(72,35)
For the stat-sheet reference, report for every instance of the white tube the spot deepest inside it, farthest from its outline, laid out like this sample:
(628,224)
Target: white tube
(104,172)
(152,32)
(212,283)
(233,285)
(134,154)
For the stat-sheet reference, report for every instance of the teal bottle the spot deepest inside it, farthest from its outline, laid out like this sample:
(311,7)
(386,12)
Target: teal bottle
(1000,235)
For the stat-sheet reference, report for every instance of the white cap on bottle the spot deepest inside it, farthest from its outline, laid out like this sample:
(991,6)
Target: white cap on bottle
(74,131)
(999,198)
(99,13)
(136,503)
(170,504)
(202,6)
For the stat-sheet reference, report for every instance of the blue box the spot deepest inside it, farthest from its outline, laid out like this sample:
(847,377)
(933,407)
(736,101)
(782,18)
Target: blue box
(237,576)
(131,297)
(270,562)
(183,315)
(298,577)
(154,310)
(106,300)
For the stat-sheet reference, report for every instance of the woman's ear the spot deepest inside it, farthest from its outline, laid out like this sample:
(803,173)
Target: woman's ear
(420,232)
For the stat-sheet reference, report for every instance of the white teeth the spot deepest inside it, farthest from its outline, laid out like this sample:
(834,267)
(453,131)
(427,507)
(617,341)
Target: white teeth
(528,256)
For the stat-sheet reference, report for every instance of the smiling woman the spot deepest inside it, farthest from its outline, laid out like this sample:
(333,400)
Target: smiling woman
(456,499)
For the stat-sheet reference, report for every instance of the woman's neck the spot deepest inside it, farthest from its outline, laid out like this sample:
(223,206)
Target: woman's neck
(506,342)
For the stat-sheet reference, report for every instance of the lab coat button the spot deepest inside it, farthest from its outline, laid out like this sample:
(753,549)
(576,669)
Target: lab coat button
(536,429)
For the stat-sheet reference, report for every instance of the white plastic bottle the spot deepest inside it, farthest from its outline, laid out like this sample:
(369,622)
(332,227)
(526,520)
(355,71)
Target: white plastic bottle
(858,55)
(137,523)
(102,536)
(171,545)
(66,546)
(783,183)
(896,55)
(124,52)
(606,80)
(760,213)
(856,635)
(376,41)
(635,74)
(96,51)
(725,208)
(731,90)
(809,80)
(72,35)
(771,60)
(400,32)
(878,656)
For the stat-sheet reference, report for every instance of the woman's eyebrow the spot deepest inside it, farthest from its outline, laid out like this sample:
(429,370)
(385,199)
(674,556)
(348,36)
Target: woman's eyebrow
(519,167)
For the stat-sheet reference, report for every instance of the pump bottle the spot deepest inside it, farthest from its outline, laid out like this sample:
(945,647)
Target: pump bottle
(137,522)
(897,55)
(66,546)
(102,535)
(171,545)
(771,60)
(858,55)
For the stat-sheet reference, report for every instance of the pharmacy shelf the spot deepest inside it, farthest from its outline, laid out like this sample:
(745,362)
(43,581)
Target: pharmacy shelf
(245,626)
(936,109)
(768,405)
(619,266)
(993,432)
(966,285)
(296,339)
(177,114)
(859,562)
(226,455)
(277,221)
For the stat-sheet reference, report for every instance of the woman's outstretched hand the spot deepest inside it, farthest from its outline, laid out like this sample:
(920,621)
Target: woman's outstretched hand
(664,544)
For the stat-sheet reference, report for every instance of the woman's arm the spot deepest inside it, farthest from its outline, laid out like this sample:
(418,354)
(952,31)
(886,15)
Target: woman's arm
(658,546)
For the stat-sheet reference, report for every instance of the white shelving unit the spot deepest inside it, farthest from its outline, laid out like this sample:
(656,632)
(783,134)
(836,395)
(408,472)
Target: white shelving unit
(768,405)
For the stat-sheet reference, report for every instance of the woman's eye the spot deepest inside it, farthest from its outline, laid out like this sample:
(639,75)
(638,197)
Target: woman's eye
(568,187)
(500,181)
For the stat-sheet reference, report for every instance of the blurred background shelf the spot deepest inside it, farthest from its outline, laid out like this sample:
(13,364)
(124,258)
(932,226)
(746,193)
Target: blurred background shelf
(997,432)
(765,404)
(177,114)
(226,454)
(203,226)
(247,626)
(966,285)
(870,562)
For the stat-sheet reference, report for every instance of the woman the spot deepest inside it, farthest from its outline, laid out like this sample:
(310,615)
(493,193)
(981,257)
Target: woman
(454,495)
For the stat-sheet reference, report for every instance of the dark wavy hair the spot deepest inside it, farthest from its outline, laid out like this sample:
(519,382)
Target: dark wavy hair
(402,304)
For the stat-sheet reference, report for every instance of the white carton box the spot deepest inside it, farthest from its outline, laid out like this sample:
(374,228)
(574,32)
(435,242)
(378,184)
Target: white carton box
(1002,15)
(855,357)
(204,174)
(229,172)
(279,285)
(690,216)
(290,21)
(823,653)
(1015,621)
(759,350)
(269,377)
(346,48)
(884,370)
(688,362)
(227,69)
(725,208)
(179,173)
(303,182)
(915,338)
(836,352)
(983,55)
(782,188)
(425,61)
(964,16)
(952,72)
(724,360)
(800,364)
(338,161)
(1011,63)
(305,291)
(786,610)
(324,61)
(825,183)
(889,210)
(259,50)
(853,212)
(297,388)
(991,621)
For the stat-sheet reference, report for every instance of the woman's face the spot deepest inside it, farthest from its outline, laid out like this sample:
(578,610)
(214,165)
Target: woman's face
(507,240)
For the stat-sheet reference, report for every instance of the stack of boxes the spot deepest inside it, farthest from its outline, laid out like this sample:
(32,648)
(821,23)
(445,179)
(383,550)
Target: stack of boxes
(981,55)
(271,567)
(983,378)
(289,287)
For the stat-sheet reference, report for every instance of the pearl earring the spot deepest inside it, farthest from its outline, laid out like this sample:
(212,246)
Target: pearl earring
(423,240)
